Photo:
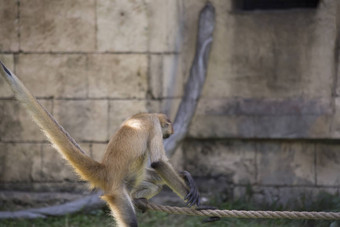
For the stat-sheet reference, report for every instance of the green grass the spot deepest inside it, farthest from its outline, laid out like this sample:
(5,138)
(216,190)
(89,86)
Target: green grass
(98,218)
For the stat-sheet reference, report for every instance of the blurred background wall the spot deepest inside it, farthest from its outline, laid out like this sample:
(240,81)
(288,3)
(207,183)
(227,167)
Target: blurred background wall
(268,118)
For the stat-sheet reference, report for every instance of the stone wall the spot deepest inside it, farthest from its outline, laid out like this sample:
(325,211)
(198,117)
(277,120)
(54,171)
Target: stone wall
(92,64)
(268,117)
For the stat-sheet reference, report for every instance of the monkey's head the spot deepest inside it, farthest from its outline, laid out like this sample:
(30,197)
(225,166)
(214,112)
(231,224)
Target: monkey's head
(166,125)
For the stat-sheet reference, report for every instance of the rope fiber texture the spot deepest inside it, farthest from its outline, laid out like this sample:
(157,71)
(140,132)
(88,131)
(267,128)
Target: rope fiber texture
(241,213)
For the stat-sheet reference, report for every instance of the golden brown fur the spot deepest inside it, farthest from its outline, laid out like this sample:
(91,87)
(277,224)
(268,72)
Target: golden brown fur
(123,174)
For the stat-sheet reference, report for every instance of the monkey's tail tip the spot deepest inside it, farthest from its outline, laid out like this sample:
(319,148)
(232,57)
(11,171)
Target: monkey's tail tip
(8,73)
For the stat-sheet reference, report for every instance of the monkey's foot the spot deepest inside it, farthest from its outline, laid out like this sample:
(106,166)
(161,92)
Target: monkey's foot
(193,196)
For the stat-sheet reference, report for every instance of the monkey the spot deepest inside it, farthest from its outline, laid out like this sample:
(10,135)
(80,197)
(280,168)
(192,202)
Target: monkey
(123,174)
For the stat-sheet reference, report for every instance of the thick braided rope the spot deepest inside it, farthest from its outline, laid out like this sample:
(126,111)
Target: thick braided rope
(244,214)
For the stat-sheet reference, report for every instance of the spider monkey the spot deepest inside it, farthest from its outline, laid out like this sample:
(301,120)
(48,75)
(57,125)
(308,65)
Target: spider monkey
(123,174)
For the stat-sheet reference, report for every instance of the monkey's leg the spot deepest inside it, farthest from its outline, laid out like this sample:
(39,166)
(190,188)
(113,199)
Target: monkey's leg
(122,208)
(145,191)
(148,188)
(175,182)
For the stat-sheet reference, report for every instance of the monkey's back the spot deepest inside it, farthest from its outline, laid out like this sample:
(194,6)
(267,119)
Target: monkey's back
(127,149)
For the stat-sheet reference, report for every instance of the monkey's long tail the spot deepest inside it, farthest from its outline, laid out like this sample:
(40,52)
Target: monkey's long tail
(86,167)
(122,208)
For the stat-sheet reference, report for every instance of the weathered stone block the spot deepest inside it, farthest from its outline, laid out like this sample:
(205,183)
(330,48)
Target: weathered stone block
(153,106)
(120,110)
(261,195)
(293,197)
(122,26)
(235,160)
(166,76)
(21,160)
(338,73)
(178,159)
(58,25)
(57,75)
(8,61)
(292,126)
(285,163)
(327,164)
(83,119)
(289,197)
(54,167)
(216,187)
(9,34)
(264,107)
(117,76)
(220,126)
(3,153)
(17,125)
(335,129)
(308,126)
(262,118)
(164,31)
(156,75)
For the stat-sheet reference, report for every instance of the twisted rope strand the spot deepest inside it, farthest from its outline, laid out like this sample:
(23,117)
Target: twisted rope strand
(243,213)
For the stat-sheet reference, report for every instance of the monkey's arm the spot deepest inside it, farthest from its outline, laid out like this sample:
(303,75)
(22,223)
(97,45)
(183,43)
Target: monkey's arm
(176,183)
(88,168)
(160,163)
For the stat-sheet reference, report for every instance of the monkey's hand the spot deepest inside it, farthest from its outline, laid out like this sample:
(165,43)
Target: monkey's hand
(193,196)
(141,204)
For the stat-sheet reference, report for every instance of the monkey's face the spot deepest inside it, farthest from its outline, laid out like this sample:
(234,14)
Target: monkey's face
(166,125)
(167,130)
